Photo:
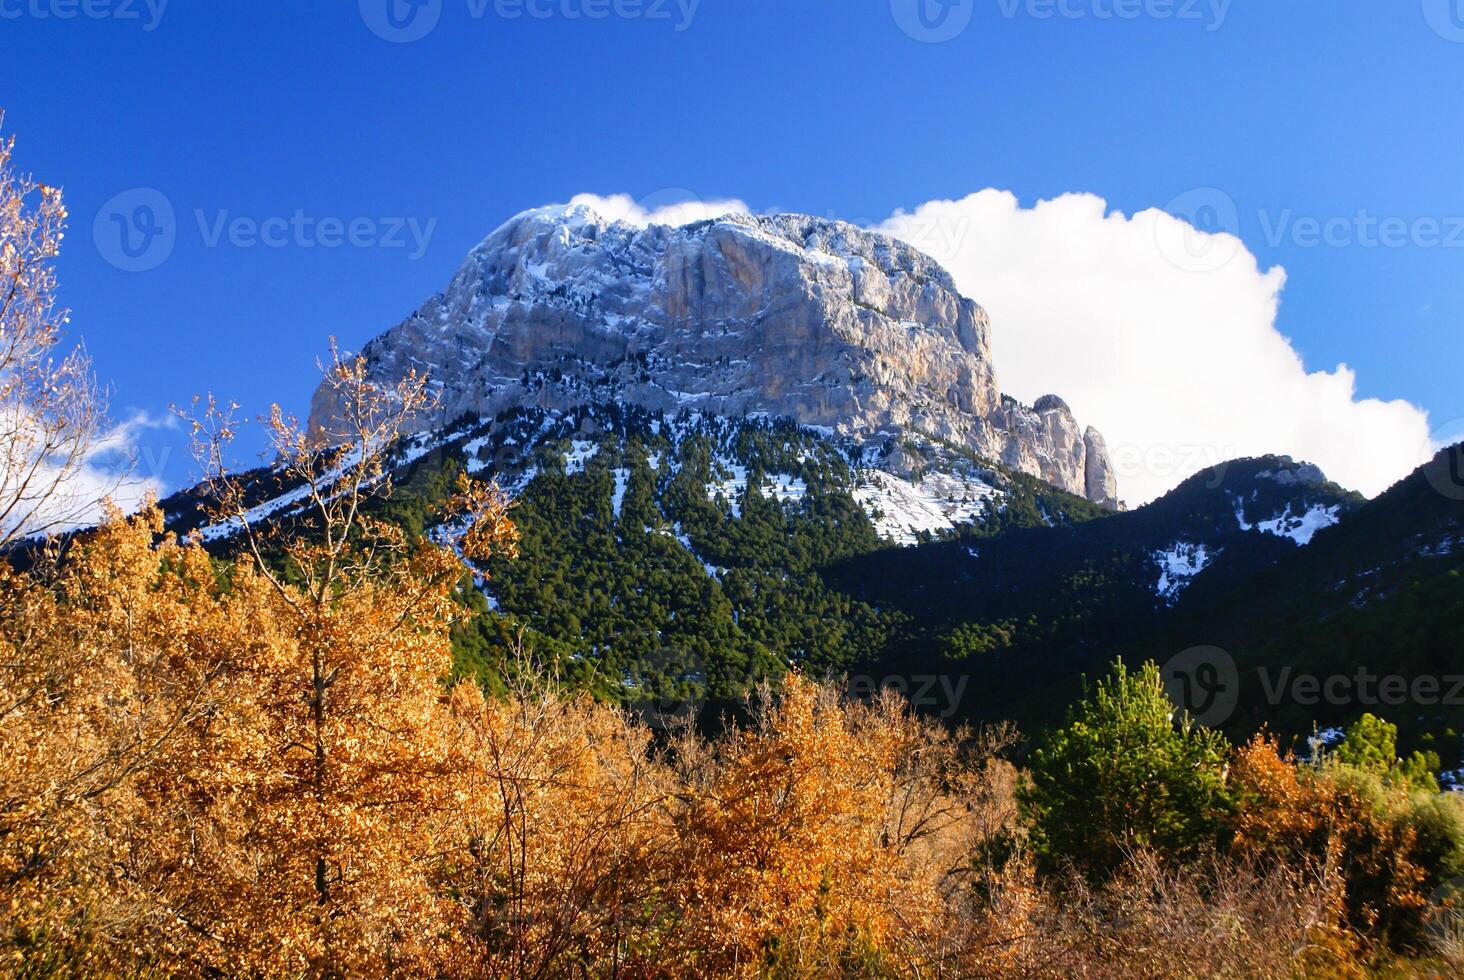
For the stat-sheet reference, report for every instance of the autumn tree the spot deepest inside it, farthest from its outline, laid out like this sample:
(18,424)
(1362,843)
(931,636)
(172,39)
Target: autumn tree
(829,837)
(568,838)
(330,772)
(91,692)
(133,643)
(1392,845)
(51,412)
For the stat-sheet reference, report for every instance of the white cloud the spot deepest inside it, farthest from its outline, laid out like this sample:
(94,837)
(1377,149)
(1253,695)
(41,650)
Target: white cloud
(1162,336)
(680,208)
(118,467)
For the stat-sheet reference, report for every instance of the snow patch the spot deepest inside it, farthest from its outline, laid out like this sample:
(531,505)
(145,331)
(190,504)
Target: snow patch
(622,480)
(1303,527)
(780,486)
(580,453)
(1178,567)
(294,501)
(901,510)
(713,570)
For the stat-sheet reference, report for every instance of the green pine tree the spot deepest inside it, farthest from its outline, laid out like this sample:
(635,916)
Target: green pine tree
(1125,774)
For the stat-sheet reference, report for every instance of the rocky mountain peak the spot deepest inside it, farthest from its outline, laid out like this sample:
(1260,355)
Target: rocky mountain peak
(829,324)
(1051,403)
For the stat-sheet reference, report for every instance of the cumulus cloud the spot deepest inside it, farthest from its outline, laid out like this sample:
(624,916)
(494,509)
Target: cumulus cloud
(1163,336)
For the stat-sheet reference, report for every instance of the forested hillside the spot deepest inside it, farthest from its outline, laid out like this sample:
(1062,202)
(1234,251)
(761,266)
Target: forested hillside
(675,562)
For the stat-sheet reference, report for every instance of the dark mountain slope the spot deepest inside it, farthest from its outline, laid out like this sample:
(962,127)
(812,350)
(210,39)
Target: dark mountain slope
(1380,593)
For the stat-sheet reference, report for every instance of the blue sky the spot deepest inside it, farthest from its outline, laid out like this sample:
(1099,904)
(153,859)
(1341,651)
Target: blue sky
(265,109)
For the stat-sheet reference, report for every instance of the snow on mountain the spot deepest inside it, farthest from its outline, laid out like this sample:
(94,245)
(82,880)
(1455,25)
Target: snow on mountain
(1300,528)
(580,453)
(902,510)
(1178,565)
(293,500)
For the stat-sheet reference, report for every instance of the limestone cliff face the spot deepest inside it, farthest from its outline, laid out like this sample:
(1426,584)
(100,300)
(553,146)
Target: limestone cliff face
(789,315)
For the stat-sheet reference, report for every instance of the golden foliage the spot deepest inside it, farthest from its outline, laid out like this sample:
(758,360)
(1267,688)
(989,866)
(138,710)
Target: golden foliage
(1333,815)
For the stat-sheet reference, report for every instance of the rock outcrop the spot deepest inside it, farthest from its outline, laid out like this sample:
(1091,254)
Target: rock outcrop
(788,315)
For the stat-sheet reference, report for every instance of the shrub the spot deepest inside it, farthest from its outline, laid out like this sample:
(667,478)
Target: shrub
(1124,776)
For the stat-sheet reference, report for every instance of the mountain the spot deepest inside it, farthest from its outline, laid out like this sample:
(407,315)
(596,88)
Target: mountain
(1067,599)
(786,316)
(1372,608)
(752,445)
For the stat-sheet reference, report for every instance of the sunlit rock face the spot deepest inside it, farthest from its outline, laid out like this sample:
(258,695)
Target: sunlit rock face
(788,315)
